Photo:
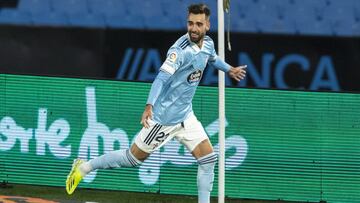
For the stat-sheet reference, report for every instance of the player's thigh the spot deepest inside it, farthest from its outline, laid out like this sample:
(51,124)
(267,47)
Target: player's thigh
(195,139)
(202,149)
(152,138)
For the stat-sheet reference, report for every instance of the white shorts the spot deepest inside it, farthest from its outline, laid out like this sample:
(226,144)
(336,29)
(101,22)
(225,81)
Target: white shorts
(189,133)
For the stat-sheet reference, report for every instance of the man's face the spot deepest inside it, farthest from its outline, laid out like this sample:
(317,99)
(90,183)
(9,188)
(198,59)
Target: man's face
(197,26)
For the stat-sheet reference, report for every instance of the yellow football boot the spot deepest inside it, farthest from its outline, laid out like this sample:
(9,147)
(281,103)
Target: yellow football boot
(74,177)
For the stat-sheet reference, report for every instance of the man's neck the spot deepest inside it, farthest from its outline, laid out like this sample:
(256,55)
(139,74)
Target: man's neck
(200,43)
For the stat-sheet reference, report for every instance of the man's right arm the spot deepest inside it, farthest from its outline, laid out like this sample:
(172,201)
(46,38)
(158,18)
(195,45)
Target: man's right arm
(155,91)
(173,61)
(157,86)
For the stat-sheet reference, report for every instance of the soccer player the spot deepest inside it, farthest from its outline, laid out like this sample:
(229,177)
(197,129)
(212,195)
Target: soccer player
(168,112)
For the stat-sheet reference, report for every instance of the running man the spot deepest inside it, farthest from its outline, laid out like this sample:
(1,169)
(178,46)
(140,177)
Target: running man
(168,112)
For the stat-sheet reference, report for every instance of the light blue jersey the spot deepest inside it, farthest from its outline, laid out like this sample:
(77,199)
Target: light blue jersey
(173,90)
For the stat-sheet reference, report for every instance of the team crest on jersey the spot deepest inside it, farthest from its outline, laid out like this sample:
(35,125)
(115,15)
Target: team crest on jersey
(194,77)
(172,57)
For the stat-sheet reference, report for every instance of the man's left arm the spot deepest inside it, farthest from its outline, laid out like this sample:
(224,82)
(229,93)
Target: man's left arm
(237,73)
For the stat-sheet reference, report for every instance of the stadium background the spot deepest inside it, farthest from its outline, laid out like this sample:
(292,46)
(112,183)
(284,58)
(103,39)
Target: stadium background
(74,76)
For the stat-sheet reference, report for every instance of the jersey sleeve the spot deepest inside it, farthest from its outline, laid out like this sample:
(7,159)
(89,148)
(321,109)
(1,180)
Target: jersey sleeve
(217,62)
(157,87)
(220,64)
(174,59)
(212,51)
(213,54)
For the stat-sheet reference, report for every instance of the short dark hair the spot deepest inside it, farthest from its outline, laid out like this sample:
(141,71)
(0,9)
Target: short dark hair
(199,9)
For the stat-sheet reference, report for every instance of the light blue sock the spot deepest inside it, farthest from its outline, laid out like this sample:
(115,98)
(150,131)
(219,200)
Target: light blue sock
(115,159)
(205,177)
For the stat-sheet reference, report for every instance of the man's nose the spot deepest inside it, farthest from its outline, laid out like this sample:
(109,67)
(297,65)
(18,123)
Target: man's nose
(193,28)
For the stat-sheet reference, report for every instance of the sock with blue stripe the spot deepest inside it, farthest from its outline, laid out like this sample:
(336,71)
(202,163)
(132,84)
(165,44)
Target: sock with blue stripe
(205,176)
(114,159)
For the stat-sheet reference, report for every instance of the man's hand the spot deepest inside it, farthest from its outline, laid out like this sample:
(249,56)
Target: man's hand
(146,116)
(237,73)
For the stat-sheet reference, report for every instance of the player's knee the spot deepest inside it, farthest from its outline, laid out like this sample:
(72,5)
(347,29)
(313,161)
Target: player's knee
(210,158)
(138,153)
(132,160)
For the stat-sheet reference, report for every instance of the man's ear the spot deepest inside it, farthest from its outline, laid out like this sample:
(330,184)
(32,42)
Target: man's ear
(207,25)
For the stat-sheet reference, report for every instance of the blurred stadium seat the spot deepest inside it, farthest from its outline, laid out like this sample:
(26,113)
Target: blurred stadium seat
(50,19)
(87,20)
(320,17)
(312,26)
(341,16)
(125,21)
(146,8)
(242,16)
(108,7)
(272,19)
(70,6)
(11,16)
(164,23)
(176,9)
(35,6)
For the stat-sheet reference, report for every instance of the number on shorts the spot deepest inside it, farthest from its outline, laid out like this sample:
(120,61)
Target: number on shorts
(161,137)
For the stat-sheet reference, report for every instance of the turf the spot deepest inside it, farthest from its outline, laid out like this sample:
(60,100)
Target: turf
(90,195)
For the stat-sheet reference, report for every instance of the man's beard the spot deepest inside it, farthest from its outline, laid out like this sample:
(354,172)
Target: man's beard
(196,39)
